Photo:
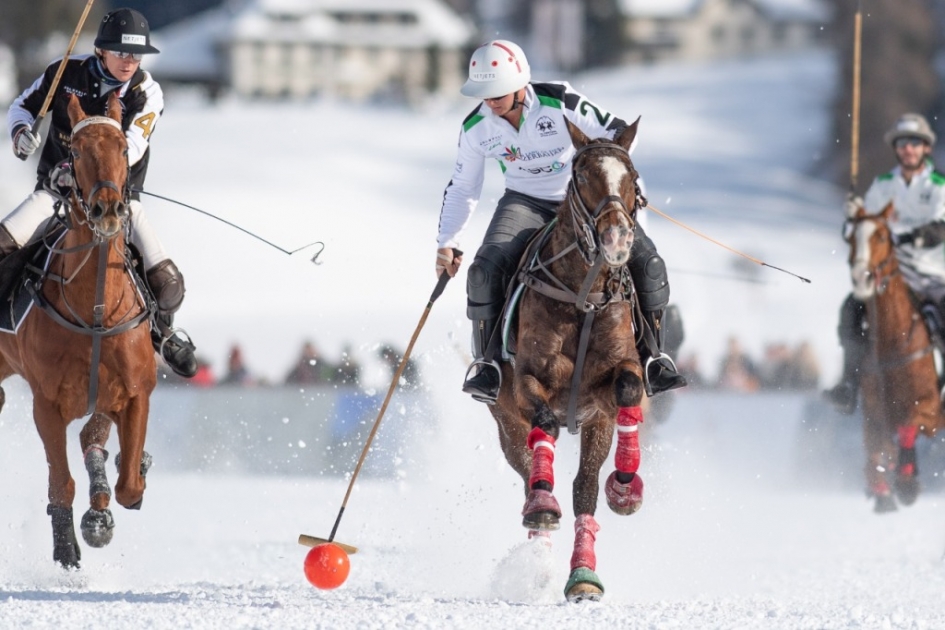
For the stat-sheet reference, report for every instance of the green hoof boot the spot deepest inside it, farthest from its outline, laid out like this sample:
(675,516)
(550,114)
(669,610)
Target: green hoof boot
(584,585)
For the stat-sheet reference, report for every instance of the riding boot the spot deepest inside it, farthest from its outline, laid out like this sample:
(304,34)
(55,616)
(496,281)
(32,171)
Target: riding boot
(659,369)
(7,243)
(843,395)
(483,377)
(167,284)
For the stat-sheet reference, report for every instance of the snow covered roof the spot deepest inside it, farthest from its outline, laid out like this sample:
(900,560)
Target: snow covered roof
(777,9)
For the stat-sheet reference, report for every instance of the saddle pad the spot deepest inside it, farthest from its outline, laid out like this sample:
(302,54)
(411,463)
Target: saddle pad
(16,301)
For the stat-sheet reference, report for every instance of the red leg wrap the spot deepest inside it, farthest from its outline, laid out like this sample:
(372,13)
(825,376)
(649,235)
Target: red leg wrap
(543,457)
(907,436)
(627,458)
(585,535)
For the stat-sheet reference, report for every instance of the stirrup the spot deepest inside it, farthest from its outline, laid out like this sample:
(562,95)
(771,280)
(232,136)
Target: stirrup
(647,386)
(482,363)
(184,341)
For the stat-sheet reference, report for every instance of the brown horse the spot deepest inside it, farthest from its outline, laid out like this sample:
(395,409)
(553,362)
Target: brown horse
(577,363)
(899,383)
(85,347)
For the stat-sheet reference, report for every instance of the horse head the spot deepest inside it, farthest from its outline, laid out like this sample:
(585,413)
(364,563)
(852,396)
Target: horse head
(872,257)
(99,156)
(604,195)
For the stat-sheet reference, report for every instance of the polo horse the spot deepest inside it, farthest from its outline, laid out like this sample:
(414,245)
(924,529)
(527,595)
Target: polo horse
(84,346)
(576,363)
(898,377)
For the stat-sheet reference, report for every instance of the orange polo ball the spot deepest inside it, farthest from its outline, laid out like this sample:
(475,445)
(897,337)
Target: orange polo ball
(326,566)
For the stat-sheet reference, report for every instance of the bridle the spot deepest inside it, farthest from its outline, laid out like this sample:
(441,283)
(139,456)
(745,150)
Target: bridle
(585,221)
(884,270)
(84,201)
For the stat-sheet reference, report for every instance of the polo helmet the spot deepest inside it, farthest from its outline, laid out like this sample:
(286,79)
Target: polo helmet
(496,68)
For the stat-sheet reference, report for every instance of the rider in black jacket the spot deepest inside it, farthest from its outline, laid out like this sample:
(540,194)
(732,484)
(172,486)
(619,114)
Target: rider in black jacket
(123,39)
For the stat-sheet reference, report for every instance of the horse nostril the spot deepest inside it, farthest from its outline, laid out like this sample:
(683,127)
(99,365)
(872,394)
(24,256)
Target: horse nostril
(97,211)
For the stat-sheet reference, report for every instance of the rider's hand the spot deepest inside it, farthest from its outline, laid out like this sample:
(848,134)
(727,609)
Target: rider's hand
(852,205)
(446,261)
(25,142)
(61,176)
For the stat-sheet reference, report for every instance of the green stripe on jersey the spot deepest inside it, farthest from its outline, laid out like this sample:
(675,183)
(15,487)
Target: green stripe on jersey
(938,179)
(501,165)
(885,177)
(549,101)
(471,122)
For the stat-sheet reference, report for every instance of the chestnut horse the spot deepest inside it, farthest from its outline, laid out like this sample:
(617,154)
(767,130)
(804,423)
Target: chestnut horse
(899,382)
(85,347)
(577,363)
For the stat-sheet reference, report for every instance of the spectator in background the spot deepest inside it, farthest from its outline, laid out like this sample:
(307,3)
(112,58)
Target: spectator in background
(348,371)
(776,367)
(688,366)
(237,372)
(410,377)
(805,372)
(309,369)
(737,372)
(204,376)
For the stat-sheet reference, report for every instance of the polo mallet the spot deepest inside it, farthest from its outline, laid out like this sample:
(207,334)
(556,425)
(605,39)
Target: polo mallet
(61,69)
(855,114)
(312,541)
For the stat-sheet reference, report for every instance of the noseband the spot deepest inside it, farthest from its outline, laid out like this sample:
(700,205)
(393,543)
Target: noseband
(585,222)
(85,200)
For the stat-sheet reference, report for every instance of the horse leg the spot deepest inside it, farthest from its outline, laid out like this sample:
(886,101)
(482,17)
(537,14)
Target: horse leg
(907,472)
(583,583)
(133,461)
(97,524)
(541,511)
(624,486)
(61,491)
(878,447)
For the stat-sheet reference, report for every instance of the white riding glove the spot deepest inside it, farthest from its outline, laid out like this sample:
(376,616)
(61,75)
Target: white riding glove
(852,205)
(25,142)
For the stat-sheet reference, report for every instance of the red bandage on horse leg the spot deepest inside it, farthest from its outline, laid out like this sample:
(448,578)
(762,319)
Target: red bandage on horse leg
(543,457)
(907,436)
(627,458)
(585,535)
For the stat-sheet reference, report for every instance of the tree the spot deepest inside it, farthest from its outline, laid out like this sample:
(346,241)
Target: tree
(899,42)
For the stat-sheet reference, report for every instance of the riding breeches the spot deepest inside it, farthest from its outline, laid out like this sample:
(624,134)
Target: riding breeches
(517,218)
(27,222)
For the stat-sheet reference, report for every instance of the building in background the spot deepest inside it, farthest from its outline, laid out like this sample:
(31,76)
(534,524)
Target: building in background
(357,49)
(716,29)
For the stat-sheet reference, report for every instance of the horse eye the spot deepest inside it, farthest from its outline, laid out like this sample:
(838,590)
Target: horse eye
(75,154)
(580,178)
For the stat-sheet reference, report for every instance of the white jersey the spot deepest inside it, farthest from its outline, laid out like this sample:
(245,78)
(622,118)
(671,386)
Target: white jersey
(916,203)
(535,158)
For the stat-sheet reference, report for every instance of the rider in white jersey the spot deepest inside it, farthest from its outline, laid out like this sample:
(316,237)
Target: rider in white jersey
(917,192)
(522,125)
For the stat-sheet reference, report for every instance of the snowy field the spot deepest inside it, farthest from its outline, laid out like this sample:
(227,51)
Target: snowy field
(736,531)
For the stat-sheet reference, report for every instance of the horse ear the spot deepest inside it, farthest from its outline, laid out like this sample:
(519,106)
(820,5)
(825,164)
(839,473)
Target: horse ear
(75,110)
(114,107)
(888,211)
(577,136)
(628,134)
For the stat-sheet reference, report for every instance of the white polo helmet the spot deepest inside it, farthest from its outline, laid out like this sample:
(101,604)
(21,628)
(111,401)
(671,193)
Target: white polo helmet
(910,126)
(496,68)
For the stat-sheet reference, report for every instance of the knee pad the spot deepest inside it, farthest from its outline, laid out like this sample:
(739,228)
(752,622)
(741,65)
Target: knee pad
(651,282)
(485,289)
(167,285)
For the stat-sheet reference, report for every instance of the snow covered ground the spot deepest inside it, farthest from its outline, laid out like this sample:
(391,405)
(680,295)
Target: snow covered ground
(736,532)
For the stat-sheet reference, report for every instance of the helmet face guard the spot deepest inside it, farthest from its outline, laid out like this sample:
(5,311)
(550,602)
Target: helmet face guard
(496,68)
(125,30)
(910,126)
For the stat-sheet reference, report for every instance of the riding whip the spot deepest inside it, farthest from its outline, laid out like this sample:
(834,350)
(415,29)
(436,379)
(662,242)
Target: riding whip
(62,67)
(724,246)
(312,541)
(243,230)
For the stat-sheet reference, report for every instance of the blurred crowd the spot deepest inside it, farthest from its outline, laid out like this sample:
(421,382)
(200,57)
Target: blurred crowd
(310,367)
(782,367)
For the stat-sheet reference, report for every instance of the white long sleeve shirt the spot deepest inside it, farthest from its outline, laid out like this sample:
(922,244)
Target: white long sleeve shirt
(535,158)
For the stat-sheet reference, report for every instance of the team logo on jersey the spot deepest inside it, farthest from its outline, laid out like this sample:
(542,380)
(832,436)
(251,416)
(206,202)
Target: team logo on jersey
(512,153)
(545,127)
(926,197)
(72,90)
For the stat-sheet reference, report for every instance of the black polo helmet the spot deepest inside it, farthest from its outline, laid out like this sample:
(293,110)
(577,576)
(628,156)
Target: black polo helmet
(125,30)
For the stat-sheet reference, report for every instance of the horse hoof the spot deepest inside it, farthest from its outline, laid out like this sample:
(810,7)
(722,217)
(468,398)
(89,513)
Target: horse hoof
(884,504)
(541,511)
(66,552)
(624,498)
(907,489)
(97,527)
(146,461)
(583,585)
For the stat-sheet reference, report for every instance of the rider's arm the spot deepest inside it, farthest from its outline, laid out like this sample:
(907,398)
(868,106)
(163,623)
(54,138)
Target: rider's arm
(24,109)
(590,118)
(148,105)
(462,193)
